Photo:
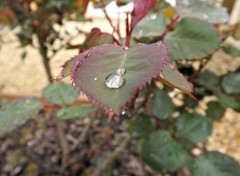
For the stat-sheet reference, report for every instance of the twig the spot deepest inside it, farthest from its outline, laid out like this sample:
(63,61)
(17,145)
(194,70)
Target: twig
(63,142)
(109,160)
(171,26)
(82,136)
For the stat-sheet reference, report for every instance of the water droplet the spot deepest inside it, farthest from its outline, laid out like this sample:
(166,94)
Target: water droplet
(124,112)
(120,71)
(114,81)
(95,79)
(125,48)
(153,17)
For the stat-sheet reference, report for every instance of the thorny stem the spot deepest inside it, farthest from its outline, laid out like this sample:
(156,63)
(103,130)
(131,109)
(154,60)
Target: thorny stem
(83,135)
(109,19)
(110,159)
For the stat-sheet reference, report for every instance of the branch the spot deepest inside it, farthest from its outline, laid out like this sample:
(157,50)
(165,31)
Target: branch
(110,159)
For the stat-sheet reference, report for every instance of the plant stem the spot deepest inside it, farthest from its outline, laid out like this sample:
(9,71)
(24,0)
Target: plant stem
(109,160)
(83,135)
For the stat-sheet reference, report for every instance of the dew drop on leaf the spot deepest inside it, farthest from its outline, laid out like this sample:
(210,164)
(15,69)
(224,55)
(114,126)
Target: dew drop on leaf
(114,81)
(120,71)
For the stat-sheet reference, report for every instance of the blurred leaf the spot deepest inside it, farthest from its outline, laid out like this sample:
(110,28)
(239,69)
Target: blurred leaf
(103,38)
(141,62)
(231,83)
(60,93)
(227,101)
(161,105)
(161,152)
(18,112)
(192,39)
(193,127)
(24,55)
(152,25)
(232,51)
(203,10)
(80,111)
(141,127)
(215,110)
(208,79)
(215,164)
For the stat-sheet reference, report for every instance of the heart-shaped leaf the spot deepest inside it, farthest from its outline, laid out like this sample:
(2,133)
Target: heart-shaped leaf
(141,62)
(192,39)
(202,10)
(215,164)
(18,112)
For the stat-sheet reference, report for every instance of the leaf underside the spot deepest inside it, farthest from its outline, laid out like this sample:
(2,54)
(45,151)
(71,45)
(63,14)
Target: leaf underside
(141,62)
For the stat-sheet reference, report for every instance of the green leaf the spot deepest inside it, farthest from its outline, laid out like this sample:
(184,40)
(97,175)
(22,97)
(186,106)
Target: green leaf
(103,38)
(80,111)
(141,62)
(152,25)
(215,110)
(231,83)
(208,79)
(227,101)
(18,112)
(215,164)
(232,51)
(161,152)
(161,105)
(192,39)
(60,93)
(202,10)
(193,127)
(141,127)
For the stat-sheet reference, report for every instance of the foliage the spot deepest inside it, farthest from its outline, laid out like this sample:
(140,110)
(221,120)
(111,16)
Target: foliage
(137,81)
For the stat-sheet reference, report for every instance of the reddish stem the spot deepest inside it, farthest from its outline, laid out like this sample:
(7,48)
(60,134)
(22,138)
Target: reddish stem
(128,31)
(170,26)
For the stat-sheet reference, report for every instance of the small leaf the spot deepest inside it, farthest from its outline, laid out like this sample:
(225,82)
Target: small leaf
(161,152)
(103,38)
(173,78)
(192,39)
(215,164)
(152,25)
(231,83)
(18,112)
(161,105)
(202,10)
(141,127)
(140,9)
(215,111)
(208,79)
(142,63)
(232,51)
(193,127)
(95,32)
(60,93)
(80,111)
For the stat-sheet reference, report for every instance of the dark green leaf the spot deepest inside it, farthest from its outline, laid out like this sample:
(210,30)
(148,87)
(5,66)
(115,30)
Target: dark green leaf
(193,127)
(141,62)
(161,105)
(141,127)
(215,164)
(208,79)
(60,93)
(227,101)
(192,39)
(80,111)
(215,110)
(161,152)
(202,10)
(18,112)
(232,51)
(231,83)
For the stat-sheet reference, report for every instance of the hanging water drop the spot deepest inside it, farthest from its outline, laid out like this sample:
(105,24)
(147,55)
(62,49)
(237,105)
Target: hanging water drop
(114,81)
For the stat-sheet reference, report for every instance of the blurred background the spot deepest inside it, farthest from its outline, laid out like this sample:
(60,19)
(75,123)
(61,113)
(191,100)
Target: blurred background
(38,36)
